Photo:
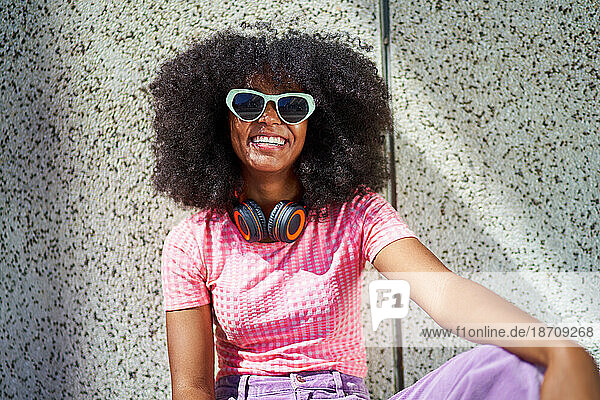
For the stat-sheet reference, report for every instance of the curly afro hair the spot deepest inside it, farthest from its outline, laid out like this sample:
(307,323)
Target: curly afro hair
(343,152)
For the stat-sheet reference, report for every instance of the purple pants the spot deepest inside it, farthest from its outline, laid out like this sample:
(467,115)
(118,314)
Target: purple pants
(485,372)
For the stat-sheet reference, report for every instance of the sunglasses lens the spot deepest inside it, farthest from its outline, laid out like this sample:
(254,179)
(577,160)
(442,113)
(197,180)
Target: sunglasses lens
(292,108)
(248,106)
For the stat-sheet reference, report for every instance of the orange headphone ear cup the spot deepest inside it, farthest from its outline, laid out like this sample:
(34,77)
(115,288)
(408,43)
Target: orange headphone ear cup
(250,221)
(287,221)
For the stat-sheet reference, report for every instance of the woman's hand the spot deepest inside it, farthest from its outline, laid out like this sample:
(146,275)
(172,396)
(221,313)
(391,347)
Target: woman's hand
(571,373)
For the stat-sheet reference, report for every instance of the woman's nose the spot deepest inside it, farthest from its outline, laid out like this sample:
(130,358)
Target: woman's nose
(270,115)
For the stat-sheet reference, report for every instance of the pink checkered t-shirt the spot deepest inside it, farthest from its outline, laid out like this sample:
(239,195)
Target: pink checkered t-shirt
(281,307)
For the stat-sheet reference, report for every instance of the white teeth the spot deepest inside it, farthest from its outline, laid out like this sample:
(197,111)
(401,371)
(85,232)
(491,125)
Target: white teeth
(268,140)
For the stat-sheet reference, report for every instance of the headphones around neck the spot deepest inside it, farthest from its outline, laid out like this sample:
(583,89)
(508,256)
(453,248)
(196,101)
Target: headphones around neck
(285,224)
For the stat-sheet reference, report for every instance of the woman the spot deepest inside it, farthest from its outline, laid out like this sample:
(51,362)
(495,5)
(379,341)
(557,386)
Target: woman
(277,141)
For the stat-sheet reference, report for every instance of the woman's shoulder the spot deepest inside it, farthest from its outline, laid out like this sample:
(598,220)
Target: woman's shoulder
(207,217)
(367,198)
(363,201)
(198,222)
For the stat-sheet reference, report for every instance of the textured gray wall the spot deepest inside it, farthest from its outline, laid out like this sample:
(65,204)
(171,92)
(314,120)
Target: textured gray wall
(496,113)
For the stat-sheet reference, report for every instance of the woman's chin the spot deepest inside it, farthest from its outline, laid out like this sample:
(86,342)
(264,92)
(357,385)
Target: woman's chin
(266,167)
(267,164)
(269,169)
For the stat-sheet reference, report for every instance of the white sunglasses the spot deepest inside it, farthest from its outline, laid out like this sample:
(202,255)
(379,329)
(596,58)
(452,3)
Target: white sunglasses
(248,105)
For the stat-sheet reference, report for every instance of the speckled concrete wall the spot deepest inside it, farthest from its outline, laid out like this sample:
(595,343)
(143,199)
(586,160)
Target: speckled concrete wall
(81,313)
(497,115)
(496,112)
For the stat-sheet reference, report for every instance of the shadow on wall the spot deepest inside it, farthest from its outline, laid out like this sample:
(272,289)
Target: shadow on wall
(41,292)
(79,296)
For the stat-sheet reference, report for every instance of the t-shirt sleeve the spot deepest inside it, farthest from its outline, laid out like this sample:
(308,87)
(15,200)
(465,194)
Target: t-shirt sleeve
(382,225)
(183,274)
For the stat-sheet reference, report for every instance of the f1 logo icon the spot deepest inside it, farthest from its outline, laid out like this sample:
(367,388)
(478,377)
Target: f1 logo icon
(389,299)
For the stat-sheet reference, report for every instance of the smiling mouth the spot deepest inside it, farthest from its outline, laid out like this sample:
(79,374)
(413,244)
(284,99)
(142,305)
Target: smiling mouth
(261,140)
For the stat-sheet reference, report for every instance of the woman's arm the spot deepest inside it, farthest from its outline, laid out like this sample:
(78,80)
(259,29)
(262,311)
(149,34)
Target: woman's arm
(451,301)
(191,353)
